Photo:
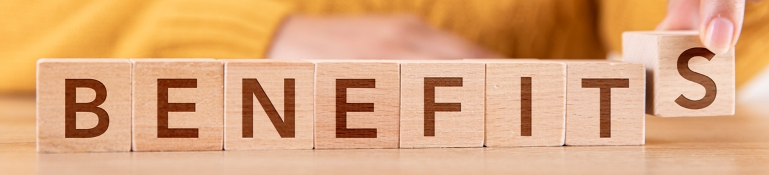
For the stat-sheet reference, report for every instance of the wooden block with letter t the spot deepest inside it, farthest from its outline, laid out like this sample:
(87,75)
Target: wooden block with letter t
(178,104)
(442,104)
(268,104)
(83,105)
(684,79)
(356,104)
(525,103)
(605,103)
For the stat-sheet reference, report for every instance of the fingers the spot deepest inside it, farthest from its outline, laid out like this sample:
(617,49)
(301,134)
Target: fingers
(721,23)
(682,15)
(447,46)
(369,37)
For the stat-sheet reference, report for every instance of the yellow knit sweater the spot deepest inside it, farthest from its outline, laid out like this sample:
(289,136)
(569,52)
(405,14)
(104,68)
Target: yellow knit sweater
(244,28)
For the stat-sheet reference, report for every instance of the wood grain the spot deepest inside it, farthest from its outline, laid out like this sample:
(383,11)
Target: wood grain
(699,145)
(356,104)
(178,104)
(84,105)
(605,103)
(683,78)
(442,104)
(525,103)
(280,112)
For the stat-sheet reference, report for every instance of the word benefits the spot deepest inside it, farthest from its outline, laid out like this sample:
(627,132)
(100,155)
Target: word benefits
(114,105)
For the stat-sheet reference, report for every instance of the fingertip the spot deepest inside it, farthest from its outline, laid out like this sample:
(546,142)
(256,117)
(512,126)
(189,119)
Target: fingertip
(663,25)
(719,35)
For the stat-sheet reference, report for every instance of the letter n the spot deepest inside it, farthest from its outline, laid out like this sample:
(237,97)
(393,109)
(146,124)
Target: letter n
(286,128)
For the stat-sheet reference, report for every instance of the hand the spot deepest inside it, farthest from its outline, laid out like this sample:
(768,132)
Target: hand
(718,21)
(368,37)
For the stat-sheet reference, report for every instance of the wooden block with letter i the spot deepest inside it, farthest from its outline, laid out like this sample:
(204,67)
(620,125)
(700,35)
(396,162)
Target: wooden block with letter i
(684,79)
(356,104)
(178,104)
(525,103)
(442,104)
(83,105)
(605,103)
(268,104)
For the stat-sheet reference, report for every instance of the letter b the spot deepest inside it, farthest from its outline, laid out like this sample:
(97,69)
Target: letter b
(71,107)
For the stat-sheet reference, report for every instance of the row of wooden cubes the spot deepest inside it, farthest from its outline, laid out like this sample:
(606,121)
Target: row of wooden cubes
(95,105)
(91,105)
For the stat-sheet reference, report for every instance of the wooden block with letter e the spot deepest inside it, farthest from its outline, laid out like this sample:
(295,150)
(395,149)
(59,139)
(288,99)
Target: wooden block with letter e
(442,104)
(178,104)
(268,104)
(83,105)
(356,104)
(684,79)
(605,103)
(525,103)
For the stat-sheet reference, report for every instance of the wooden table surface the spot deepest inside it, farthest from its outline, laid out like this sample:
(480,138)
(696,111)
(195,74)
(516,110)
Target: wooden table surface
(711,145)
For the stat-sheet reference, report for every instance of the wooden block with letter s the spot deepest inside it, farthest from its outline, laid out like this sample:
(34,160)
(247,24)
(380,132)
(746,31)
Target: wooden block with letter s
(268,104)
(83,105)
(525,103)
(356,104)
(178,104)
(442,104)
(605,103)
(684,78)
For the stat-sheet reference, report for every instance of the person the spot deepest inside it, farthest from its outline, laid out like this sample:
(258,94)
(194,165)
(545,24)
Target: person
(362,29)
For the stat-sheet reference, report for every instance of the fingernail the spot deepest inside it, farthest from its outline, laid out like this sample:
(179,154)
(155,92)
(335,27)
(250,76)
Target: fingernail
(719,35)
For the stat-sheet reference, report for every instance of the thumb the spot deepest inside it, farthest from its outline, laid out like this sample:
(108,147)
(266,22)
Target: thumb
(720,24)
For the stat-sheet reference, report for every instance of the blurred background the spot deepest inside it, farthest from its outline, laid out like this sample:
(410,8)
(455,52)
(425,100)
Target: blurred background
(343,29)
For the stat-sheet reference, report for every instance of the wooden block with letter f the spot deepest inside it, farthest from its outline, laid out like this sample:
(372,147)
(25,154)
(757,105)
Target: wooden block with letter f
(684,79)
(83,105)
(356,104)
(525,103)
(605,103)
(442,104)
(268,104)
(178,104)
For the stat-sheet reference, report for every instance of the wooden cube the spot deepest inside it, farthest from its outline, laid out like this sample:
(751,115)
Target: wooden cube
(525,103)
(605,103)
(178,104)
(83,105)
(684,79)
(268,104)
(356,104)
(442,104)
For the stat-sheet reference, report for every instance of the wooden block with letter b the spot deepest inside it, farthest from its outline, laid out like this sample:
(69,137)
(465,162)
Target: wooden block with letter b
(83,105)
(178,104)
(684,78)
(525,103)
(268,104)
(442,104)
(605,103)
(356,104)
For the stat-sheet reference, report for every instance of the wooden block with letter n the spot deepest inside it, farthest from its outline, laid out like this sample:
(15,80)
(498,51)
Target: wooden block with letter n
(178,104)
(268,104)
(605,103)
(525,103)
(684,79)
(83,105)
(356,104)
(442,104)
